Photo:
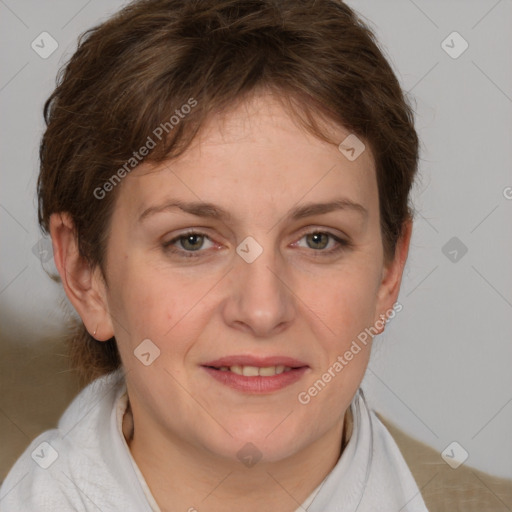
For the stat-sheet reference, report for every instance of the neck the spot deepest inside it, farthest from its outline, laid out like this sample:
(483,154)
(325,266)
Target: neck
(183,478)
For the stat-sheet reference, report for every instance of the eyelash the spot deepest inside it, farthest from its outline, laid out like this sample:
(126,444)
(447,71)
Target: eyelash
(168,246)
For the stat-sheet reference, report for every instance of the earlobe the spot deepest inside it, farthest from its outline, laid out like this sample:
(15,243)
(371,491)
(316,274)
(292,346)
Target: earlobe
(83,285)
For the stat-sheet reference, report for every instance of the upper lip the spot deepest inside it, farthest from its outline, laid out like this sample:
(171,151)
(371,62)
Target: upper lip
(259,362)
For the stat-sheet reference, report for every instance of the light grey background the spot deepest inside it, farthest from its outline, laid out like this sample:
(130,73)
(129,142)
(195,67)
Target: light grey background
(442,370)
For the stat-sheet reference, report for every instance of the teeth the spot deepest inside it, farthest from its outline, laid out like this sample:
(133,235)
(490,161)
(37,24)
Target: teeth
(236,369)
(254,371)
(250,371)
(268,371)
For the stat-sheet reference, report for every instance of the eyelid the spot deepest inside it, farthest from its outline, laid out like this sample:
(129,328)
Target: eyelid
(184,234)
(342,241)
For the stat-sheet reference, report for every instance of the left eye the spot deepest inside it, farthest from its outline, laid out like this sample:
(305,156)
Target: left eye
(318,240)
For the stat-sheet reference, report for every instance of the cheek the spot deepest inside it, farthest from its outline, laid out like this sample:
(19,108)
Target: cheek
(346,308)
(345,302)
(350,304)
(150,303)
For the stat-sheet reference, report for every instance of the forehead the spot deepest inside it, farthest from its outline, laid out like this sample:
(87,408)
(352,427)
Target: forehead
(255,151)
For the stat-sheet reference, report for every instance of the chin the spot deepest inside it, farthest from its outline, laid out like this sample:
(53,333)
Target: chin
(266,441)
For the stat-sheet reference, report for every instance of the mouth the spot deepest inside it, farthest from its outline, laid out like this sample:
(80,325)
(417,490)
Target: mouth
(254,371)
(256,375)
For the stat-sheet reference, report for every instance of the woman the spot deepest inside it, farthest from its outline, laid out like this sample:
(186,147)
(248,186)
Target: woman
(226,187)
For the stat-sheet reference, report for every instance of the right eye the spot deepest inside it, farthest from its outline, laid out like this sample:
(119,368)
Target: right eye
(190,242)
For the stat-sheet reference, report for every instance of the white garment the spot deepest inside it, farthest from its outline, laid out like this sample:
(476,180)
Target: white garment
(89,467)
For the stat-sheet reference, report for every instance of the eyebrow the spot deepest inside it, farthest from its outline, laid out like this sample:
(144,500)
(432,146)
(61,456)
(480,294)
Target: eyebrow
(210,210)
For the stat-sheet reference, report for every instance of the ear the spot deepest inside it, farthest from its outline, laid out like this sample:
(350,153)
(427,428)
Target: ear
(85,287)
(392,277)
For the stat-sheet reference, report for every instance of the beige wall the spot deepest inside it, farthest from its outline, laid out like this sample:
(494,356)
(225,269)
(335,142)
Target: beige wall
(36,386)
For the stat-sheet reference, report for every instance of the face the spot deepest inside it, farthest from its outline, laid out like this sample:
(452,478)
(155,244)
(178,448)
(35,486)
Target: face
(252,262)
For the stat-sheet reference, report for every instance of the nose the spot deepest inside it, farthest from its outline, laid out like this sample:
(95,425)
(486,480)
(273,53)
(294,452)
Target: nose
(260,301)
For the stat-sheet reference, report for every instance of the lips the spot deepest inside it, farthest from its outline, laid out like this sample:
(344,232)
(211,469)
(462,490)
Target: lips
(258,362)
(251,374)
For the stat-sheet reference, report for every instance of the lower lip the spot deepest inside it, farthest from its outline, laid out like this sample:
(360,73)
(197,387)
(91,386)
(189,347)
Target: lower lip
(259,384)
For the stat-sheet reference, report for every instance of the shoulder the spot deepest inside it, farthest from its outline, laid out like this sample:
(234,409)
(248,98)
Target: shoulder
(390,474)
(444,488)
(56,470)
(36,482)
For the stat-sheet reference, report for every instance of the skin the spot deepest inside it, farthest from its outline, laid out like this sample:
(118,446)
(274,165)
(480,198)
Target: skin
(257,163)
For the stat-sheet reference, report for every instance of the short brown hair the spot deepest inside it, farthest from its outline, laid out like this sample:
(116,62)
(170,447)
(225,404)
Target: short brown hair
(130,74)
